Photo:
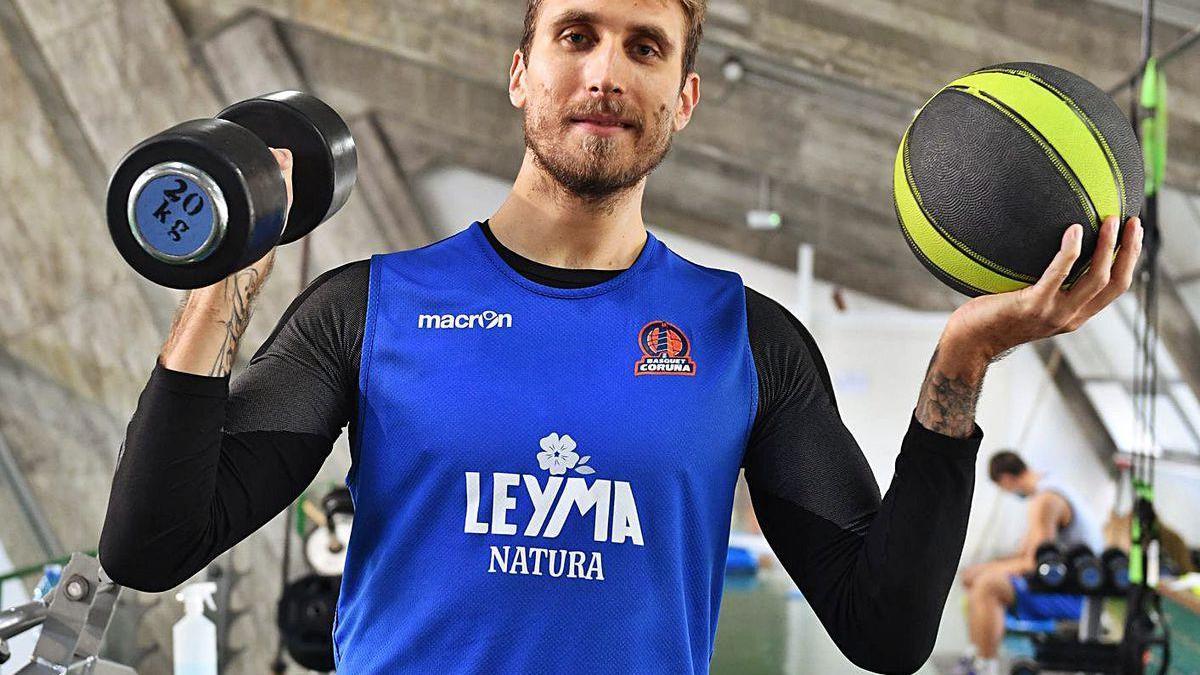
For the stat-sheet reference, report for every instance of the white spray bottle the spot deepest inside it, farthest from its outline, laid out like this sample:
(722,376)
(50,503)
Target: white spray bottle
(194,636)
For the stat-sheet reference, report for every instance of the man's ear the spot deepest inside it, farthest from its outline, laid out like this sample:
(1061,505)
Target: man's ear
(516,80)
(689,98)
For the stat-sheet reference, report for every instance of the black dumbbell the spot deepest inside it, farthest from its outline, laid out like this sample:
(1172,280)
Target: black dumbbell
(1085,568)
(1051,567)
(305,615)
(1115,564)
(205,198)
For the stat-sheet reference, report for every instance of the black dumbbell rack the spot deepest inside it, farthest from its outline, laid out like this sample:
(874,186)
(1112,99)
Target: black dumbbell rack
(1084,652)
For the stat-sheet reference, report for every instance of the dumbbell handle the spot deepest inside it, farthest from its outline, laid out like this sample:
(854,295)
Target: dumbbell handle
(205,338)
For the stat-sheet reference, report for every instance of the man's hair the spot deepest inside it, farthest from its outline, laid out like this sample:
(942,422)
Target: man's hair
(1005,462)
(693,10)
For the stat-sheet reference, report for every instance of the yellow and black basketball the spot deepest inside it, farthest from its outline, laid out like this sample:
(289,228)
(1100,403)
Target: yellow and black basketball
(997,165)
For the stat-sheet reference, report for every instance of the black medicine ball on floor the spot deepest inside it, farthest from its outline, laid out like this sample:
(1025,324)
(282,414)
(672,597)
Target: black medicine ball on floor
(1001,162)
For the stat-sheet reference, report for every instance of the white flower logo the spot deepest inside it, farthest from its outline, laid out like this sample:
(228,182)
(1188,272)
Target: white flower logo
(558,455)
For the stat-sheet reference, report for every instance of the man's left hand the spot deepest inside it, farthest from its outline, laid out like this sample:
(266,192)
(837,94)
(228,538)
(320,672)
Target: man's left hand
(971,573)
(995,324)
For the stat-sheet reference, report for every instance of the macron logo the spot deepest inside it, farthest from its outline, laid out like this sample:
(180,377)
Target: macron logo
(486,320)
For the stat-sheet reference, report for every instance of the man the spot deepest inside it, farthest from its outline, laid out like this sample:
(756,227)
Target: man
(548,411)
(1055,514)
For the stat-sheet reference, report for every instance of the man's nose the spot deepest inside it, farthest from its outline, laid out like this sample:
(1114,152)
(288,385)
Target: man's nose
(604,69)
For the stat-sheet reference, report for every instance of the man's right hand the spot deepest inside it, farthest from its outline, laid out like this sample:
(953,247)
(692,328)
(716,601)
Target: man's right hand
(209,324)
(284,158)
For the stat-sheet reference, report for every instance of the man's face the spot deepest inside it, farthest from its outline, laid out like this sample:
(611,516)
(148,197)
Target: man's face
(601,90)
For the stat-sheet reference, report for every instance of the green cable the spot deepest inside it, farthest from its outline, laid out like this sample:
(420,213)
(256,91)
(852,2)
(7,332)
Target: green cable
(1154,126)
(301,519)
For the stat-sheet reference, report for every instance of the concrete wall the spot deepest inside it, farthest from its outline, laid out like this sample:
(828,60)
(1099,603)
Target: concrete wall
(82,83)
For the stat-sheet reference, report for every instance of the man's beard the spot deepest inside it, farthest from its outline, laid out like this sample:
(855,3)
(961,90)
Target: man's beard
(595,169)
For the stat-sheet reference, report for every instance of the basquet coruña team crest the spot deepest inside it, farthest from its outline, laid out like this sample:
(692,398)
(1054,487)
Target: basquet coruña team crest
(665,351)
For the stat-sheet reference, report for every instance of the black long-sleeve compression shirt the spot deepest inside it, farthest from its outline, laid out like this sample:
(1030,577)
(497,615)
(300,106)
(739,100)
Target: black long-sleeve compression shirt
(206,462)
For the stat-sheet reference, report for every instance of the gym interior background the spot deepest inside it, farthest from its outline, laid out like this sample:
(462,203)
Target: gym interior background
(803,104)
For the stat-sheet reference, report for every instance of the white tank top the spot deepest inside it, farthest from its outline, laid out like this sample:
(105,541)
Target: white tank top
(1084,528)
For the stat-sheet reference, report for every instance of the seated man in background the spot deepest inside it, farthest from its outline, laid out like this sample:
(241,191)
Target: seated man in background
(1055,514)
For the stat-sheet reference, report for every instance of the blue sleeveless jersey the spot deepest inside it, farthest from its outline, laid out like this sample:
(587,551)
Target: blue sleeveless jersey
(543,478)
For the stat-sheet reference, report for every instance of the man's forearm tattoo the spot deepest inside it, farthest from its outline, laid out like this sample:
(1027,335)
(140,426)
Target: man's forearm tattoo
(947,402)
(240,291)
